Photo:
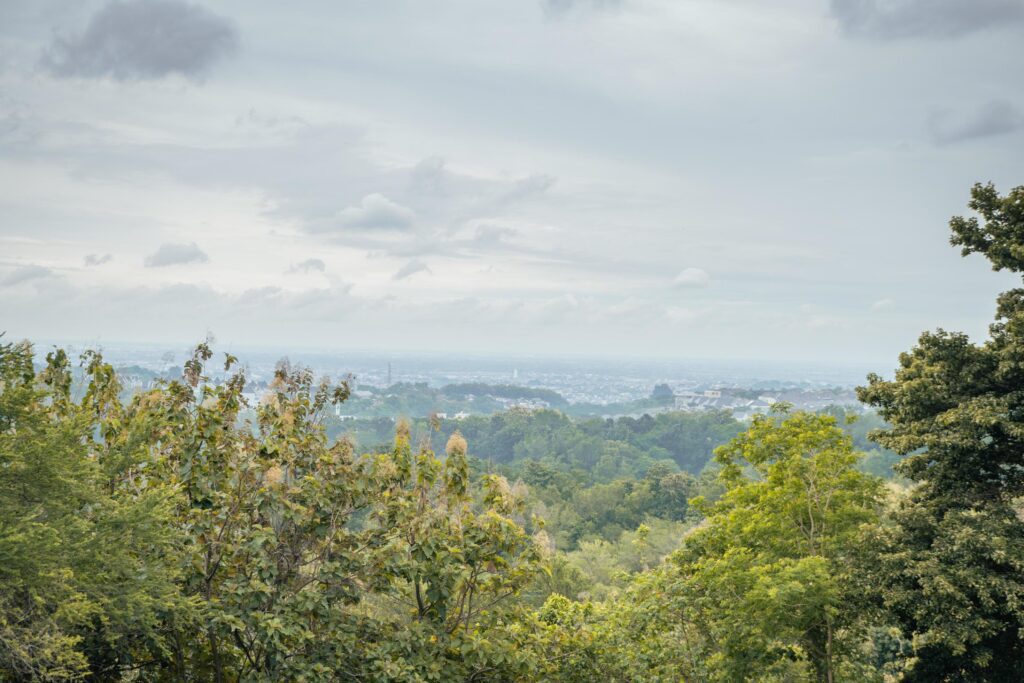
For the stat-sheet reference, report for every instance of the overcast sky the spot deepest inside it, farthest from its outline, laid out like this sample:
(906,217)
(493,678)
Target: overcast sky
(673,178)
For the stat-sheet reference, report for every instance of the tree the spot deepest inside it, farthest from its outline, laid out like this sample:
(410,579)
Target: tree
(88,562)
(951,569)
(663,393)
(272,553)
(760,588)
(185,535)
(311,563)
(456,562)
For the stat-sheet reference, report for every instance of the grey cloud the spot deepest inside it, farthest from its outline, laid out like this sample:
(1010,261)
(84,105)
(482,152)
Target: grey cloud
(97,259)
(273,313)
(537,183)
(176,254)
(493,235)
(895,19)
(376,212)
(428,176)
(998,117)
(260,121)
(410,269)
(180,311)
(16,121)
(408,209)
(270,303)
(496,198)
(556,8)
(25,274)
(10,124)
(144,39)
(308,266)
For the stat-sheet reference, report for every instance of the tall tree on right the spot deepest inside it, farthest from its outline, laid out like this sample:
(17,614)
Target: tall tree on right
(950,570)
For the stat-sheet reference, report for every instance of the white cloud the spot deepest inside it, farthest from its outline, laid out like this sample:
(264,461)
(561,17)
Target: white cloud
(882,304)
(692,277)
(681,314)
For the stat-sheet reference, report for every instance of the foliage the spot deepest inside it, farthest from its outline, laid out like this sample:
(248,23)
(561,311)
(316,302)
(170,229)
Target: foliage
(604,511)
(87,560)
(170,538)
(877,460)
(590,450)
(951,568)
(609,566)
(999,239)
(456,563)
(759,590)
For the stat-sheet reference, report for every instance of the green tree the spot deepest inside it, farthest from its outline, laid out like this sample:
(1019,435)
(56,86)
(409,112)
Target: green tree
(457,562)
(184,535)
(951,568)
(312,563)
(88,564)
(761,588)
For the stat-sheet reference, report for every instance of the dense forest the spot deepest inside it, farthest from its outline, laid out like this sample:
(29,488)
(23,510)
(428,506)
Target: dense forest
(592,449)
(419,398)
(598,450)
(185,534)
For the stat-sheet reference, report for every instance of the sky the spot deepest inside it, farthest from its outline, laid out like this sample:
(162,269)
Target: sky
(635,178)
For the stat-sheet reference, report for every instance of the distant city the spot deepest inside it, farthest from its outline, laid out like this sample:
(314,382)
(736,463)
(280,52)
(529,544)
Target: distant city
(609,387)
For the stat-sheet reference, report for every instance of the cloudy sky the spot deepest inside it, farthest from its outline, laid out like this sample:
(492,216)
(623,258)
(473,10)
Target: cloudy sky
(672,178)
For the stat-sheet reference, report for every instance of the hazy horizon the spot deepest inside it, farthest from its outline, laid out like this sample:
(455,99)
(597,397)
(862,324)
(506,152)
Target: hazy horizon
(446,367)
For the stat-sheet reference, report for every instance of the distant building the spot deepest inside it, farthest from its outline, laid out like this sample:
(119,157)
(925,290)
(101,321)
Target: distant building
(712,393)
(663,392)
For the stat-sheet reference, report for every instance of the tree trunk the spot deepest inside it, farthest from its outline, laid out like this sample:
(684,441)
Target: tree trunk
(828,651)
(218,665)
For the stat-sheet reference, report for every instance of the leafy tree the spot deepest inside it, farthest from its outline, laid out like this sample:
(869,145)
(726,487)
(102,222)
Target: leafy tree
(760,589)
(273,555)
(609,566)
(951,568)
(87,559)
(45,481)
(877,460)
(184,536)
(455,563)
(569,642)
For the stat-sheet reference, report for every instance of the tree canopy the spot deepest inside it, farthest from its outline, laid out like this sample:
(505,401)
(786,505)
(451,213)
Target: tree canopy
(951,568)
